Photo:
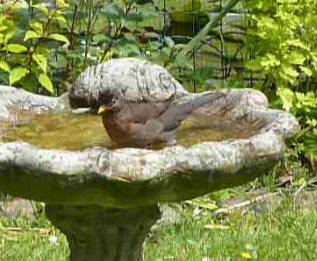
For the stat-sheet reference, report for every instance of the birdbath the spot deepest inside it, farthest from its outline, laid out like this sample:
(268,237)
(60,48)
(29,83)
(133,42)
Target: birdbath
(105,201)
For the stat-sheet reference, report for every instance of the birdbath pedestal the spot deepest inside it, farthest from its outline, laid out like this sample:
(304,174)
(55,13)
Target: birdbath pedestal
(105,201)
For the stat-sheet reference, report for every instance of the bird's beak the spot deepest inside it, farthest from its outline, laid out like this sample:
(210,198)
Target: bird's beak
(103,109)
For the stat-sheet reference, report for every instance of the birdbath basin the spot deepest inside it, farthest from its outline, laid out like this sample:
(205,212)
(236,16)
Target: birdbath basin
(105,200)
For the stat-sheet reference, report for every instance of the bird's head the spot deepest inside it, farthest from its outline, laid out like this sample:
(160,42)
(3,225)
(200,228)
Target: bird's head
(109,102)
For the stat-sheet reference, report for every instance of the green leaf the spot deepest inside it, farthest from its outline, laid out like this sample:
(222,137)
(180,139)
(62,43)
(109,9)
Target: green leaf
(287,97)
(3,27)
(60,18)
(100,38)
(42,8)
(131,38)
(297,43)
(2,17)
(270,60)
(62,4)
(126,49)
(36,26)
(135,17)
(306,70)
(184,61)
(16,48)
(147,10)
(289,70)
(41,61)
(296,58)
(10,31)
(4,66)
(30,35)
(59,37)
(113,12)
(254,65)
(46,82)
(17,73)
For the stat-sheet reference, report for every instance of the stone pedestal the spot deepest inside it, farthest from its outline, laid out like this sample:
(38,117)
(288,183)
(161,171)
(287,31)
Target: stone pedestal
(104,234)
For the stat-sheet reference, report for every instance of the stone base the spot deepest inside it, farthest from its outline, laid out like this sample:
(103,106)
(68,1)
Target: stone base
(104,234)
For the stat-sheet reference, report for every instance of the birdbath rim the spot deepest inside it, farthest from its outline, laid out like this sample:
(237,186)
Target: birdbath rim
(133,177)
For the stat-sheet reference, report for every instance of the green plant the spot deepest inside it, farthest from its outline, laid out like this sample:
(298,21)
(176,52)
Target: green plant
(282,40)
(25,50)
(303,106)
(61,40)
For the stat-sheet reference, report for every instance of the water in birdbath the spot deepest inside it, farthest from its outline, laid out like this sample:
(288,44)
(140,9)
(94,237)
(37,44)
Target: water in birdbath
(81,131)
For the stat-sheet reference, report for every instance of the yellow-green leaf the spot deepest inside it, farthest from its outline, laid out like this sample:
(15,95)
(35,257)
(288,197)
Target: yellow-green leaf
(17,6)
(289,70)
(296,58)
(59,37)
(246,255)
(42,8)
(297,43)
(10,31)
(287,97)
(4,66)
(30,35)
(16,74)
(36,26)
(306,70)
(61,4)
(3,27)
(270,60)
(16,48)
(46,82)
(41,61)
(2,18)
(60,18)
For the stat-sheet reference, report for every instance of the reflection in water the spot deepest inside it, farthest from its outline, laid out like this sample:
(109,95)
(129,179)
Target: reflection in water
(78,132)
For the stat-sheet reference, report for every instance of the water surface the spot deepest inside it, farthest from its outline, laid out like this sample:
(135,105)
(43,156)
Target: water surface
(82,131)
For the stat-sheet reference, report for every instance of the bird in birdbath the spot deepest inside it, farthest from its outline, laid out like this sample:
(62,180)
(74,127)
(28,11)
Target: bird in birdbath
(140,102)
(141,124)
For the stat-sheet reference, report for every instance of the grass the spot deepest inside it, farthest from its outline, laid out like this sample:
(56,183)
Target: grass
(266,231)
(280,232)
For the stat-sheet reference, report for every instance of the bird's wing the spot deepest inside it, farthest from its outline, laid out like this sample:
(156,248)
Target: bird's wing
(142,112)
(182,108)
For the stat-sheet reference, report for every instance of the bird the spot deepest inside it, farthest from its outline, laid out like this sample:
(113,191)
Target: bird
(144,124)
(140,102)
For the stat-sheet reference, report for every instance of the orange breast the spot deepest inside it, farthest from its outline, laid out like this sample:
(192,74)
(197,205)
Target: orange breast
(117,131)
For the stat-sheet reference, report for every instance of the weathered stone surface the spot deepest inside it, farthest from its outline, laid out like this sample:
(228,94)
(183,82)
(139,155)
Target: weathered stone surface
(104,234)
(15,101)
(132,177)
(138,80)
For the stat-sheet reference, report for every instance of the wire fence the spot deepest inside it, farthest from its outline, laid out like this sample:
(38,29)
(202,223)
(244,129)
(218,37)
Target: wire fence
(223,53)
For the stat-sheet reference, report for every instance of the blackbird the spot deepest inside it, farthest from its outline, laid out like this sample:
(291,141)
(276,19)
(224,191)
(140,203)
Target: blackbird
(140,124)
(141,103)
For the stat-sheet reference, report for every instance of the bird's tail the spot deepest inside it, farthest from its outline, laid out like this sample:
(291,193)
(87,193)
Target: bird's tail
(182,107)
(193,101)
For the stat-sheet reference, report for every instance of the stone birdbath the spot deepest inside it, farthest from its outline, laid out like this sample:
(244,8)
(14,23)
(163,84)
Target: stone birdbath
(106,200)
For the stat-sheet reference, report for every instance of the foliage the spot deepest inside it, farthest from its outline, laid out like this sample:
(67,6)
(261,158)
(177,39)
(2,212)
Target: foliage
(303,106)
(60,41)
(25,44)
(282,43)
(282,40)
